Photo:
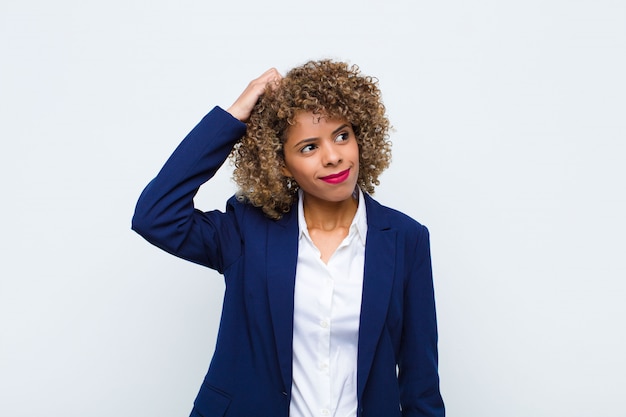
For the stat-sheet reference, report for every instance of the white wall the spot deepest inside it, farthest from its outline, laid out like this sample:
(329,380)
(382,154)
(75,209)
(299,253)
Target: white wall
(509,144)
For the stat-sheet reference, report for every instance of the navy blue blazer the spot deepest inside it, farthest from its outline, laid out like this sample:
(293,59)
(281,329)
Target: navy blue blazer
(250,373)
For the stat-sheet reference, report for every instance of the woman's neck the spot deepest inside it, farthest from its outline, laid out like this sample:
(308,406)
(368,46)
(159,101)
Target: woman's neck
(328,215)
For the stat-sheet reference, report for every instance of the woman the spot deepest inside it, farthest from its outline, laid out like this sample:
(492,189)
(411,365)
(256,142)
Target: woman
(329,306)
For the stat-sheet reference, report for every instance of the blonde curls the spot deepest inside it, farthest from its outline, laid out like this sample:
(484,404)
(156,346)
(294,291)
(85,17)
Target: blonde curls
(333,89)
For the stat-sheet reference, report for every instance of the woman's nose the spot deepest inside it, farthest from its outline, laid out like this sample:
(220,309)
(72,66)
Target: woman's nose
(331,155)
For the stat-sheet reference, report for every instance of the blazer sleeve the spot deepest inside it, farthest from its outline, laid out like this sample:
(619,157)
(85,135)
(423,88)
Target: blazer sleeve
(165,213)
(418,374)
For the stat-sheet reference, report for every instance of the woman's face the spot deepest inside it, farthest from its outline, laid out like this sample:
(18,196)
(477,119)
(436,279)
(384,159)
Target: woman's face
(322,155)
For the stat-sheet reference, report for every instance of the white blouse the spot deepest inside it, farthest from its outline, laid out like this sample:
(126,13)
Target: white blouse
(327,307)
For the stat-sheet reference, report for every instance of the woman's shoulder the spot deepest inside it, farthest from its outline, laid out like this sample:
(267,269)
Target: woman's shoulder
(247,213)
(385,216)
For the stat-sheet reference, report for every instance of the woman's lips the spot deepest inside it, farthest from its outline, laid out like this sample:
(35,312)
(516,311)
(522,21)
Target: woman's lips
(337,178)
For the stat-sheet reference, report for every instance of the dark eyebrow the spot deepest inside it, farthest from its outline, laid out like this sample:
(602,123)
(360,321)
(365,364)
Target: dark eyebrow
(343,126)
(309,140)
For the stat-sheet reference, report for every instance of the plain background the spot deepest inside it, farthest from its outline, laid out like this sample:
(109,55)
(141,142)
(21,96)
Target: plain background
(509,144)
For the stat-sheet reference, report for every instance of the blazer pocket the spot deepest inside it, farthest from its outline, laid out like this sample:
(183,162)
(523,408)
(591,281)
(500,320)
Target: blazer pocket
(211,402)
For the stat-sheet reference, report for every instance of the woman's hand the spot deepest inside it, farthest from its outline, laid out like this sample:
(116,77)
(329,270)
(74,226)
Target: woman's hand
(242,107)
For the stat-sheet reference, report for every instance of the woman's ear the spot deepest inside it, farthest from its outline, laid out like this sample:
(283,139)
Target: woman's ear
(286,172)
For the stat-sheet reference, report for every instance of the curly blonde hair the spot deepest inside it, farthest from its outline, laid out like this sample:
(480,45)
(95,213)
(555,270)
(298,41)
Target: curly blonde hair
(334,89)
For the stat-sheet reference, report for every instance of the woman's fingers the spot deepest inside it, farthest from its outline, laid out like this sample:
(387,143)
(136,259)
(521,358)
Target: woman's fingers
(243,106)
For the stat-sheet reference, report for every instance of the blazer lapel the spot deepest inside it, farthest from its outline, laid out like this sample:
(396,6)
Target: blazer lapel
(282,257)
(380,253)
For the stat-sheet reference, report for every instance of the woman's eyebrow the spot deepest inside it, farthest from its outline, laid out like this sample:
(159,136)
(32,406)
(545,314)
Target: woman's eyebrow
(339,128)
(303,141)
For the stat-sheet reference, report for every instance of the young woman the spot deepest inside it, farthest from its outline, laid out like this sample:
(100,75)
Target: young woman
(329,306)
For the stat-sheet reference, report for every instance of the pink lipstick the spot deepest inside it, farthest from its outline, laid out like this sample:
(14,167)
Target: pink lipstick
(337,178)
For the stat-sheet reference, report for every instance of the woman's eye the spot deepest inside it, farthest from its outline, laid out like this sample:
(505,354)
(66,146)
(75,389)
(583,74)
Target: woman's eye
(307,148)
(342,137)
